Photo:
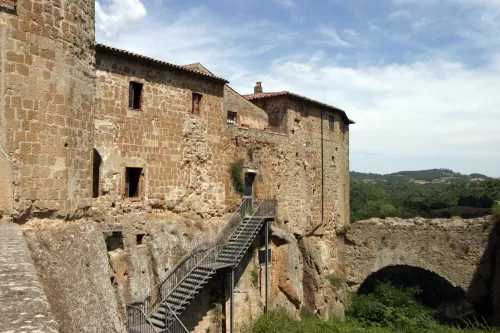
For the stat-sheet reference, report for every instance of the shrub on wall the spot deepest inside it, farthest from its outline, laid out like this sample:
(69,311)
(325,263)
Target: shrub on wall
(236,175)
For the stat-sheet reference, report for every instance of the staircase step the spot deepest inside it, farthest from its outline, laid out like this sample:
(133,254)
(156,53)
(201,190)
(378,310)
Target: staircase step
(157,323)
(159,316)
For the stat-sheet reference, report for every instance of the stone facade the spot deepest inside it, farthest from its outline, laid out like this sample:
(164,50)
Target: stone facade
(47,87)
(71,142)
(177,151)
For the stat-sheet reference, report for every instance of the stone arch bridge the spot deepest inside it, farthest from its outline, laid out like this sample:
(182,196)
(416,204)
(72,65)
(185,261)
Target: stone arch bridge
(462,251)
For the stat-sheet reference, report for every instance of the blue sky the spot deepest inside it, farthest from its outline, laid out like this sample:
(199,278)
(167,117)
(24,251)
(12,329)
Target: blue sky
(420,78)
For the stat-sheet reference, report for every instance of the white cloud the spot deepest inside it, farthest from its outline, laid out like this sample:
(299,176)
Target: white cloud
(399,14)
(350,32)
(434,111)
(332,35)
(286,3)
(425,114)
(115,15)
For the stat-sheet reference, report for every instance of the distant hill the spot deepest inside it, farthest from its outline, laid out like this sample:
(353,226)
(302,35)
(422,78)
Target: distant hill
(431,176)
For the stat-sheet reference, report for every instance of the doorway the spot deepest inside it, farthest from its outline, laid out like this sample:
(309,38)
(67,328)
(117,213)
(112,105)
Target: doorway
(248,191)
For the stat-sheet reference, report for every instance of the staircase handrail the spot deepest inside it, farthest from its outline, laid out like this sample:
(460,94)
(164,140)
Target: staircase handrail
(209,260)
(262,208)
(178,322)
(144,320)
(255,211)
(159,288)
(229,228)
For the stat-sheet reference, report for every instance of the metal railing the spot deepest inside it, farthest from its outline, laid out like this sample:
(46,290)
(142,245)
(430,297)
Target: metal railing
(137,320)
(191,260)
(187,264)
(209,261)
(172,323)
(204,255)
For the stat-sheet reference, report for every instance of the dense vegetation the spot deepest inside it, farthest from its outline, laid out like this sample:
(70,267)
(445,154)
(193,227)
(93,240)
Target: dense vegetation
(387,310)
(432,175)
(407,199)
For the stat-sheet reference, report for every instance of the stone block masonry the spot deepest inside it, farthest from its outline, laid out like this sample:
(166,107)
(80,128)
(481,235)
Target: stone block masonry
(23,304)
(47,91)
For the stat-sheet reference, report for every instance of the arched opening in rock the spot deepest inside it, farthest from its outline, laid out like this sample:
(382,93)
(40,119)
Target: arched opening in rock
(96,173)
(437,292)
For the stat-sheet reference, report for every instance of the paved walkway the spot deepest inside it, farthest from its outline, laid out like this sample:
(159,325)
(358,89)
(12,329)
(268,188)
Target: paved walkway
(23,304)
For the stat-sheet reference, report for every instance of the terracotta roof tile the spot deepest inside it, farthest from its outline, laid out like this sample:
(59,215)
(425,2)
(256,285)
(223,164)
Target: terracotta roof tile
(159,62)
(251,97)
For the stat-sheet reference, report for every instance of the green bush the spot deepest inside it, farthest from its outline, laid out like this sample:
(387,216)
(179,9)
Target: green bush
(393,307)
(336,281)
(387,310)
(237,175)
(496,211)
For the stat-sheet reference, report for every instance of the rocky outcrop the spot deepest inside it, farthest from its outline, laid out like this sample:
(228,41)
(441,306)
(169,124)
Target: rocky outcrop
(73,267)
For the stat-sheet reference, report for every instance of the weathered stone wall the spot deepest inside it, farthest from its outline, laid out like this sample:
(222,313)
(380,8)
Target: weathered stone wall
(289,169)
(60,109)
(88,284)
(461,251)
(290,166)
(247,112)
(179,152)
(47,101)
(24,305)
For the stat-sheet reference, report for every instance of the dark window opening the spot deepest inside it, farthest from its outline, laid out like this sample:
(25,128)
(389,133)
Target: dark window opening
(9,6)
(262,256)
(139,239)
(231,117)
(331,123)
(196,104)
(135,95)
(132,184)
(96,173)
(114,240)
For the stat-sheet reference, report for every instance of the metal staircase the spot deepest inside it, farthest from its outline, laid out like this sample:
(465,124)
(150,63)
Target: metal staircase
(159,312)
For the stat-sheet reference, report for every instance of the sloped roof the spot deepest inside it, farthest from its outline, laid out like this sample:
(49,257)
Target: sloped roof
(251,97)
(158,62)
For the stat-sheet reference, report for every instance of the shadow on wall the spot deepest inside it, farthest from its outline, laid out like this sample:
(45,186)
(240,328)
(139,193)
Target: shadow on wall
(6,185)
(436,290)
(217,291)
(481,299)
(484,290)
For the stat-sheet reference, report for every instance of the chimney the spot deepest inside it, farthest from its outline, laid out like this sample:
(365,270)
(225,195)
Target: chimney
(258,88)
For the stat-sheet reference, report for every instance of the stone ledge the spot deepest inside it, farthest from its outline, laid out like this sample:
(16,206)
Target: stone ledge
(24,305)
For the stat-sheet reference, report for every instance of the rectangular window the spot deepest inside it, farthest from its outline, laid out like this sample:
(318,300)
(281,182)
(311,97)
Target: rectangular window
(196,104)
(135,95)
(231,118)
(132,182)
(331,123)
(9,5)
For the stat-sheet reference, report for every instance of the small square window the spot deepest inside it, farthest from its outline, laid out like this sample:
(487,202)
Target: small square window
(132,182)
(135,95)
(196,104)
(331,123)
(139,238)
(231,117)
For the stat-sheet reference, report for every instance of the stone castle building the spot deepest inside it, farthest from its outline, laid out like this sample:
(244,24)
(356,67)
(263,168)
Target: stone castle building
(116,165)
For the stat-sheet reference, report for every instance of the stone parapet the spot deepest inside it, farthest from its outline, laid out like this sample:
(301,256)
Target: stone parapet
(24,306)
